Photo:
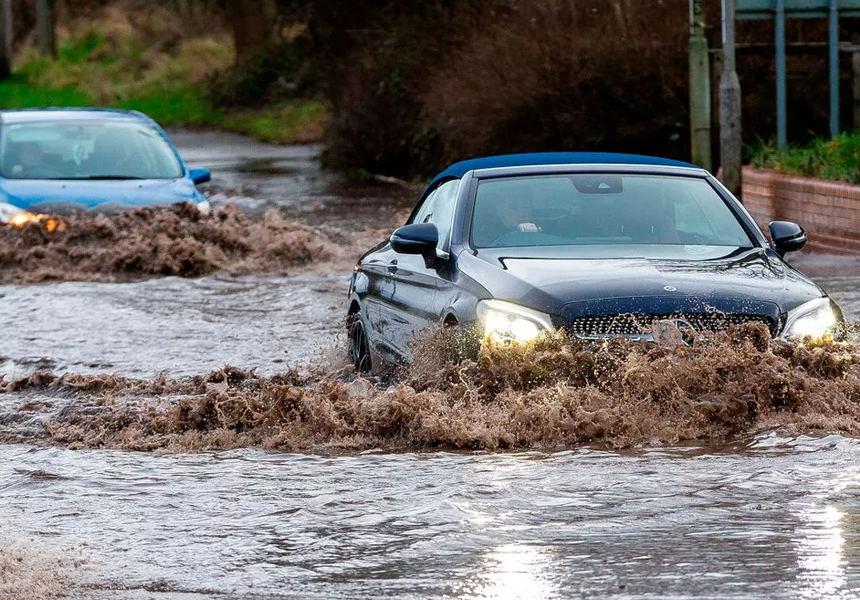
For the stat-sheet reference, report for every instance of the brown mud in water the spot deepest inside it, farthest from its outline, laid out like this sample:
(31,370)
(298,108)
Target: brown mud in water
(560,393)
(171,241)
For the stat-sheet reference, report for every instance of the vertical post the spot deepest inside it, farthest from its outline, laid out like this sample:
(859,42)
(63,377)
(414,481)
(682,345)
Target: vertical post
(730,106)
(45,27)
(781,101)
(700,88)
(5,39)
(855,87)
(834,67)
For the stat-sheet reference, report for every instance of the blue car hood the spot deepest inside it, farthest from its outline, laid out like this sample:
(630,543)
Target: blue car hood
(65,195)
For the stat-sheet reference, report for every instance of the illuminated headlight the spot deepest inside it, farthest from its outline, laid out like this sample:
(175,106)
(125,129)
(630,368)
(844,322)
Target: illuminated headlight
(814,319)
(504,322)
(9,212)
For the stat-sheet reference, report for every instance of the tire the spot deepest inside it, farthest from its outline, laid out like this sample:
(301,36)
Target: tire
(358,345)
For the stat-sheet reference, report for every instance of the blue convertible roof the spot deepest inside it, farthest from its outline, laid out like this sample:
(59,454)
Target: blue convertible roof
(457,170)
(24,115)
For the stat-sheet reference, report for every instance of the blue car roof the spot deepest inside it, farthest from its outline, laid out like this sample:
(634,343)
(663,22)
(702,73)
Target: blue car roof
(457,170)
(24,115)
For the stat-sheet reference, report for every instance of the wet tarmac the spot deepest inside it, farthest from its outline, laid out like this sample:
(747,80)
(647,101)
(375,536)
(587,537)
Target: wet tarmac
(761,516)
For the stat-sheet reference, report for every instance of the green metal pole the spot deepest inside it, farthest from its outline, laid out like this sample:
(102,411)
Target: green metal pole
(700,88)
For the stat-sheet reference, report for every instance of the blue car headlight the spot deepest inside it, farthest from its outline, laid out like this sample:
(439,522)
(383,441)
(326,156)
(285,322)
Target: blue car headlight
(505,322)
(814,319)
(9,211)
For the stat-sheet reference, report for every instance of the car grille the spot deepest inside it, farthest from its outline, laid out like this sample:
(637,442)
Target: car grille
(632,324)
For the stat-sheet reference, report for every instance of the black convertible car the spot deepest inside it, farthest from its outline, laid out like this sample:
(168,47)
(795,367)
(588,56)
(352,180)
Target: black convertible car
(601,245)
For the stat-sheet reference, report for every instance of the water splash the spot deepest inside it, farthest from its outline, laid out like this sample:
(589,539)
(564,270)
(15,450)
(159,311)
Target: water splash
(176,240)
(556,393)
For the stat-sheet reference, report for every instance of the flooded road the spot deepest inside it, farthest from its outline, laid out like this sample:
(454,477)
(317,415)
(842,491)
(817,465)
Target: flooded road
(768,518)
(172,325)
(259,176)
(761,516)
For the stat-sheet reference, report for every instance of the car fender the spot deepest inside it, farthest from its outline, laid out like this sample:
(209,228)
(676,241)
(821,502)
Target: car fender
(461,304)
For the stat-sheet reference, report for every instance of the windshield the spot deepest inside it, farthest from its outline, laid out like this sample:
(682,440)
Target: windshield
(603,209)
(104,150)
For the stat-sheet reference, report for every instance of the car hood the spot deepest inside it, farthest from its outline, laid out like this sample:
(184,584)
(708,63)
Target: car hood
(730,279)
(64,196)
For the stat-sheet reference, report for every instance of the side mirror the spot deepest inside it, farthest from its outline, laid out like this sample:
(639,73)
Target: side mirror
(418,238)
(199,176)
(786,236)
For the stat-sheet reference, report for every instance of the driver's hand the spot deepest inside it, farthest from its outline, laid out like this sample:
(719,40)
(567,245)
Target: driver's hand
(528,228)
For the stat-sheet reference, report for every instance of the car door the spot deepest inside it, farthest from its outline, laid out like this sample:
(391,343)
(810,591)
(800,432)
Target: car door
(409,295)
(375,268)
(406,297)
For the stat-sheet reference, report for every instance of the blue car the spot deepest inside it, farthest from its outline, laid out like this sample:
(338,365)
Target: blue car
(61,160)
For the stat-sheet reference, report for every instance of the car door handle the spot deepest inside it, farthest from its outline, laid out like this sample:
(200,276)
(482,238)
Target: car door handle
(392,266)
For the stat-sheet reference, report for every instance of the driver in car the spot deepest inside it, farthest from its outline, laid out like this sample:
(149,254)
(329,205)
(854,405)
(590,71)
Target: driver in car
(515,212)
(30,162)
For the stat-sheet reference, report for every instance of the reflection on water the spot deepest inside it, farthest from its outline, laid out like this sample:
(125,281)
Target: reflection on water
(821,570)
(827,540)
(515,572)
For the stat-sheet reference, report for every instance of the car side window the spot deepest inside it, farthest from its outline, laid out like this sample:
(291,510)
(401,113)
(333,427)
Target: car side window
(443,210)
(426,209)
(438,208)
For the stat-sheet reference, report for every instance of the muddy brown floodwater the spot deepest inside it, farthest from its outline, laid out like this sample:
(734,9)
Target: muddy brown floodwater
(762,501)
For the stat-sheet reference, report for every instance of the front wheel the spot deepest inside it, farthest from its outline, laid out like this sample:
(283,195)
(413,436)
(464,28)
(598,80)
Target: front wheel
(359,346)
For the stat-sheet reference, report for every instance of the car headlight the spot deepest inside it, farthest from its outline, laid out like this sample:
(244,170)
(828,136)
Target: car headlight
(505,322)
(814,319)
(9,211)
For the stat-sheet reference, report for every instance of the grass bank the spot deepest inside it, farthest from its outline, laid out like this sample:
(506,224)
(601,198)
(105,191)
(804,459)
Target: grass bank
(143,60)
(837,158)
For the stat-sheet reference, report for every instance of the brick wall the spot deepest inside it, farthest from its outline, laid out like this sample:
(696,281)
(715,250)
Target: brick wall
(829,211)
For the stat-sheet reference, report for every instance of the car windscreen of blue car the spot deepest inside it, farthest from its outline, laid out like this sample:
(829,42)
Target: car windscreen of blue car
(86,150)
(611,210)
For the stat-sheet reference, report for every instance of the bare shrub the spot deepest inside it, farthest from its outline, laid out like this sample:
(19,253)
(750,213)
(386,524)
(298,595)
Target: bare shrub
(563,75)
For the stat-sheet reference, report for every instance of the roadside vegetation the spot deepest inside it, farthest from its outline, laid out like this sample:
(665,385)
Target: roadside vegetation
(402,89)
(143,59)
(837,158)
